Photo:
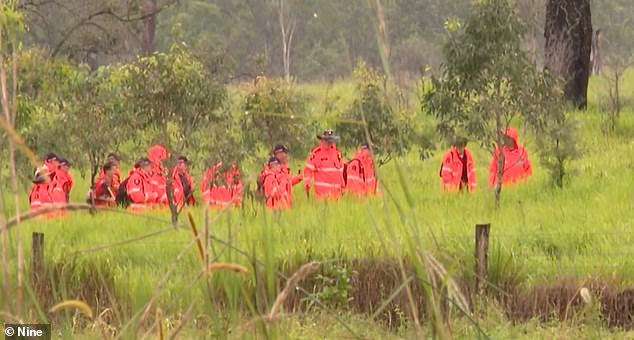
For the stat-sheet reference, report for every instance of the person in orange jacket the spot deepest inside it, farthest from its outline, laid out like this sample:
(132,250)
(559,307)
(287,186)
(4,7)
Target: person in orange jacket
(183,183)
(105,192)
(64,167)
(222,187)
(325,168)
(457,170)
(51,164)
(158,178)
(40,196)
(281,153)
(115,161)
(275,185)
(138,186)
(360,173)
(62,184)
(517,166)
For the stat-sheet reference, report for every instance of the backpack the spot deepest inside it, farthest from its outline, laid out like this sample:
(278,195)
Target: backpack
(122,198)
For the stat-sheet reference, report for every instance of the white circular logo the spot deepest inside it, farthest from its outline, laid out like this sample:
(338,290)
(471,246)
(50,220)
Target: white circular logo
(9,331)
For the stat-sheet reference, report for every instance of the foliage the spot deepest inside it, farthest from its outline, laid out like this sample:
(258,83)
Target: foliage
(558,146)
(488,80)
(276,112)
(378,114)
(329,37)
(48,91)
(337,286)
(172,95)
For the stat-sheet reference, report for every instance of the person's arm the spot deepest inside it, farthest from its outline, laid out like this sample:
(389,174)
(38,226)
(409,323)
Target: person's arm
(297,179)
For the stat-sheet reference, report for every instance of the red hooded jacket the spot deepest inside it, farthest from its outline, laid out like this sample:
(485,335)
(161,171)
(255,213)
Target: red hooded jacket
(517,166)
(158,178)
(452,168)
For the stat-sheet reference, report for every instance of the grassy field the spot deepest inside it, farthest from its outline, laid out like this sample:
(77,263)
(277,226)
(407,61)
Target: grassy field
(582,235)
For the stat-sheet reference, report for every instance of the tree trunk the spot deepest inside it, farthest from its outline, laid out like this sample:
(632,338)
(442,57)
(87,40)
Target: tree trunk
(501,159)
(568,33)
(287,30)
(149,30)
(595,56)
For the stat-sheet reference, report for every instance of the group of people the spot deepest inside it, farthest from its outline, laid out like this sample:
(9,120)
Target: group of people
(53,182)
(458,167)
(326,175)
(146,184)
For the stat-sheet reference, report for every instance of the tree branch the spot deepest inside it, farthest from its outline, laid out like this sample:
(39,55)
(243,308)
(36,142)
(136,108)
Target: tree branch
(103,12)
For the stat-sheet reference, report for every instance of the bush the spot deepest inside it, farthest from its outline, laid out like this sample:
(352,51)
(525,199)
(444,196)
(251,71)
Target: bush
(377,115)
(276,112)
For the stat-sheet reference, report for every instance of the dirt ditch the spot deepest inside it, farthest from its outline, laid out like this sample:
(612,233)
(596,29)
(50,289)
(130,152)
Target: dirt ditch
(370,283)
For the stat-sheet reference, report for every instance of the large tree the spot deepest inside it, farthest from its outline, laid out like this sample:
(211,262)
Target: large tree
(568,33)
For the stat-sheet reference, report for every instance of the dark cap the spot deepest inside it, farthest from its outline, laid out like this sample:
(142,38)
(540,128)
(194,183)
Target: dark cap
(329,135)
(460,141)
(51,156)
(64,161)
(142,162)
(280,148)
(274,160)
(40,179)
(108,166)
(183,159)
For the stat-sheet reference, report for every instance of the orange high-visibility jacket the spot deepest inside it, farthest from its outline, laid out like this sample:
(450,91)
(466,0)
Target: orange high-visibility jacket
(61,186)
(451,171)
(361,175)
(105,193)
(40,196)
(517,166)
(289,182)
(325,168)
(275,185)
(138,188)
(179,188)
(222,189)
(116,180)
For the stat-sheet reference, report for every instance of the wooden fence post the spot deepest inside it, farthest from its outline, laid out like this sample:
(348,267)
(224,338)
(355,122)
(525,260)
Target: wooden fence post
(38,258)
(481,256)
